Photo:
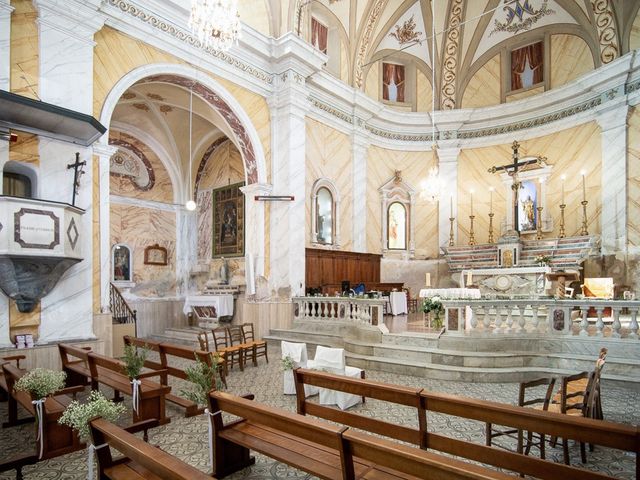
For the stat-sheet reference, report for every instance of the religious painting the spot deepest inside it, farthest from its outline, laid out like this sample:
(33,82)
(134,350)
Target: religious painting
(319,35)
(392,82)
(228,221)
(121,261)
(397,226)
(527,66)
(527,205)
(155,255)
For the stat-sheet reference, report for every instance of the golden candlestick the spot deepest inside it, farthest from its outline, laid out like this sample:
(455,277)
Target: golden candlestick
(539,229)
(491,240)
(472,239)
(451,243)
(583,230)
(562,233)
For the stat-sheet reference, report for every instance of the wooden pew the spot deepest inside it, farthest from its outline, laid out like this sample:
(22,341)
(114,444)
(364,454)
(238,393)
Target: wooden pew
(141,461)
(320,448)
(4,392)
(57,439)
(18,463)
(167,350)
(77,370)
(586,430)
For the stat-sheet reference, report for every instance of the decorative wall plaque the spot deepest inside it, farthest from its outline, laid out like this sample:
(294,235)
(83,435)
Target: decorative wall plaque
(36,228)
(155,255)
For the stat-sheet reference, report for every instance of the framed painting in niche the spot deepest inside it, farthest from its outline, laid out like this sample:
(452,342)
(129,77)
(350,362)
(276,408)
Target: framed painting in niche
(397,226)
(228,221)
(527,66)
(155,255)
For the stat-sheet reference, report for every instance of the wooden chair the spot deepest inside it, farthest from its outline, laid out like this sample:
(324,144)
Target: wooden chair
(232,353)
(412,303)
(236,339)
(541,403)
(259,347)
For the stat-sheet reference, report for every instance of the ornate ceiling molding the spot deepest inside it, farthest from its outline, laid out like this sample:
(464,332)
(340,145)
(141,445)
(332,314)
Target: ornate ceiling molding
(605,22)
(378,7)
(451,53)
(205,158)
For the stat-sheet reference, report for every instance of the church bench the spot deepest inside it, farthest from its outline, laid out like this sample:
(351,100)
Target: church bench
(320,448)
(57,439)
(167,350)
(77,370)
(18,463)
(4,391)
(140,461)
(602,433)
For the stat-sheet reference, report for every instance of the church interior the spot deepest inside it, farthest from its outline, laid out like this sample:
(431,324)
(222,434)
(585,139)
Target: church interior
(328,205)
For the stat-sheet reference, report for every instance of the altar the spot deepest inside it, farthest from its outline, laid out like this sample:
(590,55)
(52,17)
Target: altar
(507,282)
(210,308)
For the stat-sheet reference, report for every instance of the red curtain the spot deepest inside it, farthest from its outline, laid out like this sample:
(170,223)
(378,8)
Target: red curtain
(531,54)
(400,82)
(319,35)
(396,72)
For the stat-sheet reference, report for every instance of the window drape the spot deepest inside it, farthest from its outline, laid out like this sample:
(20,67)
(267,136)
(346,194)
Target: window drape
(526,66)
(393,82)
(319,34)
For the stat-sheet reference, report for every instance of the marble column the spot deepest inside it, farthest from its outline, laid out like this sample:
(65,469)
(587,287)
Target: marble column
(104,153)
(448,173)
(5,68)
(613,125)
(254,239)
(359,151)
(287,219)
(66,32)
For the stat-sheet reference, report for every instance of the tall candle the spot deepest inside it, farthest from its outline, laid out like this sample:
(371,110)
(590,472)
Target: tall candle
(471,197)
(451,205)
(490,199)
(562,177)
(584,189)
(469,279)
(427,279)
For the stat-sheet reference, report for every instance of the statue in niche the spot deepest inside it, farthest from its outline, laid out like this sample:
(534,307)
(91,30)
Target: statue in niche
(528,206)
(224,272)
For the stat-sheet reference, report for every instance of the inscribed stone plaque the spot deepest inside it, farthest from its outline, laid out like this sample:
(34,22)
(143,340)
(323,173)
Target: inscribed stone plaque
(36,228)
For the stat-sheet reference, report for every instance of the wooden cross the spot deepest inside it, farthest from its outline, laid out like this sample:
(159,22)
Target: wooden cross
(512,171)
(78,172)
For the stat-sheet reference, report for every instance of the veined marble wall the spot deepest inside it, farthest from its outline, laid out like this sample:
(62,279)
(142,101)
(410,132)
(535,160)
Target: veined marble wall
(424,91)
(568,152)
(634,41)
(24,49)
(484,87)
(633,181)
(328,155)
(570,58)
(140,227)
(381,165)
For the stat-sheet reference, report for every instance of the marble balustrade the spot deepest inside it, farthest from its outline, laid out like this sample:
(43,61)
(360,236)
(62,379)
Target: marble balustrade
(583,317)
(366,311)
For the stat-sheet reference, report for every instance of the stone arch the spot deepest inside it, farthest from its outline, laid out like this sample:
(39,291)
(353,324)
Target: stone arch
(245,135)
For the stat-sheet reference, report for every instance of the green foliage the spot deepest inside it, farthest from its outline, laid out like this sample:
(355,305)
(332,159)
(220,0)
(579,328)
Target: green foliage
(543,260)
(41,382)
(432,304)
(134,359)
(287,363)
(77,415)
(204,378)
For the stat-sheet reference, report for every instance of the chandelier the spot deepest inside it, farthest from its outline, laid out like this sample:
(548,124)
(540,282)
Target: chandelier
(431,188)
(216,23)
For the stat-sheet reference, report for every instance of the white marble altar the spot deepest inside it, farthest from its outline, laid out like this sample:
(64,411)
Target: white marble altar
(516,281)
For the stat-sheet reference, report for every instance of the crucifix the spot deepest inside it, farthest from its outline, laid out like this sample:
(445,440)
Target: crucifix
(78,172)
(512,170)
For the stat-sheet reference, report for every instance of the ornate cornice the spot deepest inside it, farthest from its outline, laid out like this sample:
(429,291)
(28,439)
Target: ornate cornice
(186,37)
(331,110)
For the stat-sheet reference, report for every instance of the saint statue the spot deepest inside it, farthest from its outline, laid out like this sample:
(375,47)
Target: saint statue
(529,210)
(224,272)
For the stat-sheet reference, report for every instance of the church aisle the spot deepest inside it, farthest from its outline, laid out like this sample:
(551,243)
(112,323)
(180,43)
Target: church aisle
(187,437)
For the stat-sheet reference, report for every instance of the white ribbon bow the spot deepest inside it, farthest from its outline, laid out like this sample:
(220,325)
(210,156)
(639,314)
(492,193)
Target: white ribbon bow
(209,420)
(136,394)
(91,450)
(40,419)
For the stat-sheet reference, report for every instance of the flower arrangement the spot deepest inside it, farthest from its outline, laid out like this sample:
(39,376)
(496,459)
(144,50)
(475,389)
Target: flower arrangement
(204,377)
(433,305)
(134,359)
(77,415)
(543,259)
(41,382)
(288,363)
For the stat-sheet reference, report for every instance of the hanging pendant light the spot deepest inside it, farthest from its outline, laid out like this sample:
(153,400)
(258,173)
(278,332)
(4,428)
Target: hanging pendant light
(216,23)
(191,204)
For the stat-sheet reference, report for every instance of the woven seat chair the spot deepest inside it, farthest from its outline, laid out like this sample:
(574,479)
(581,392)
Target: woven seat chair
(258,347)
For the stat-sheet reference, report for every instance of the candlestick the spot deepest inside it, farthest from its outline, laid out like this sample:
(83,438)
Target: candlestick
(583,230)
(451,219)
(491,240)
(562,177)
(562,233)
(472,238)
(584,189)
(539,229)
(427,279)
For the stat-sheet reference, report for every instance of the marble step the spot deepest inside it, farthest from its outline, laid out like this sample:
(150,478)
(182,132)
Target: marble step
(327,339)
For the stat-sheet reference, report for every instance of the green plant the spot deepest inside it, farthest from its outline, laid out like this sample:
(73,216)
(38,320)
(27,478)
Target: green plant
(77,415)
(433,305)
(204,378)
(134,359)
(543,259)
(41,382)
(288,363)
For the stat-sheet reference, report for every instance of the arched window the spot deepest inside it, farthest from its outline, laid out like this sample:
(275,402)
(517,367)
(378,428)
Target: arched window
(397,227)
(122,263)
(398,199)
(324,207)
(19,180)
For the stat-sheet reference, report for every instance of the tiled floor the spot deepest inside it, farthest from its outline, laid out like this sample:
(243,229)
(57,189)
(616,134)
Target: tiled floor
(187,438)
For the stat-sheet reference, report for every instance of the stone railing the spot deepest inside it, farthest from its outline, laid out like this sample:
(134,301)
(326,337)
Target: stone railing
(367,311)
(584,317)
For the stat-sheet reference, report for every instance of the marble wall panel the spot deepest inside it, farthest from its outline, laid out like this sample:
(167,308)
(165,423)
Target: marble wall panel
(570,58)
(95,234)
(25,149)
(633,179)
(483,89)
(568,151)
(139,228)
(372,82)
(634,40)
(224,167)
(256,14)
(205,225)
(24,49)
(532,92)
(414,166)
(328,155)
(423,93)
(162,189)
